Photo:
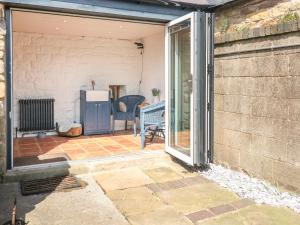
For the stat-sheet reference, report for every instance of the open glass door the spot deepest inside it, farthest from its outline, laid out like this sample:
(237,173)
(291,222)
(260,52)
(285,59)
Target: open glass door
(186,88)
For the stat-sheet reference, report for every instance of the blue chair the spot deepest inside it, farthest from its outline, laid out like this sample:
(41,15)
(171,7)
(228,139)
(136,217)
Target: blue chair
(132,110)
(152,117)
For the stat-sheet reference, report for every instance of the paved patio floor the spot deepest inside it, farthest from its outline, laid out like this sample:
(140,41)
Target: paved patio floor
(164,194)
(174,196)
(32,150)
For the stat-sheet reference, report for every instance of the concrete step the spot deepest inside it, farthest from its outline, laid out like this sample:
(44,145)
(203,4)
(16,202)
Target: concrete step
(142,159)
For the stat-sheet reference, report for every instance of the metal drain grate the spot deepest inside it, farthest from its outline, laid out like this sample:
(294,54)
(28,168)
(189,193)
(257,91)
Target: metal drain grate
(59,183)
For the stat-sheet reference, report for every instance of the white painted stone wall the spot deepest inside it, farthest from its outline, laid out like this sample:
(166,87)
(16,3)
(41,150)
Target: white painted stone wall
(154,65)
(56,66)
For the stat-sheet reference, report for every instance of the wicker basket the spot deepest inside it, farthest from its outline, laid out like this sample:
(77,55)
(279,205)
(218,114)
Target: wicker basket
(72,132)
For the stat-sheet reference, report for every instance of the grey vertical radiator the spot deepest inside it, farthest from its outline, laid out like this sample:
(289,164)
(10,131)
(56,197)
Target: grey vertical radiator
(36,114)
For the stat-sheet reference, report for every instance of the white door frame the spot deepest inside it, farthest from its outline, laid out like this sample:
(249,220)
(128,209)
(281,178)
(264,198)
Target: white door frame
(201,25)
(187,159)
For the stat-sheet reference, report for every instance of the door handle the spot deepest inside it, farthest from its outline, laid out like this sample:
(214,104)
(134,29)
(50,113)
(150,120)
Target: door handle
(190,84)
(190,78)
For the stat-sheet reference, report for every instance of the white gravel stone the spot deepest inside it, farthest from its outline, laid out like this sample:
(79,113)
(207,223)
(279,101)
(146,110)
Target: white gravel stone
(246,187)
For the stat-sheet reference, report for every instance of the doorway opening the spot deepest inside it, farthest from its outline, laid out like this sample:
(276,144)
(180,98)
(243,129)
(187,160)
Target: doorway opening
(71,59)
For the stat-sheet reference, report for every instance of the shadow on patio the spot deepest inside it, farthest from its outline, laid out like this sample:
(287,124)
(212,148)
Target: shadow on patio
(31,150)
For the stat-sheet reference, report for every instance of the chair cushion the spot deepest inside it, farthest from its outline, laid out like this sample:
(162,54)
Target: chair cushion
(122,107)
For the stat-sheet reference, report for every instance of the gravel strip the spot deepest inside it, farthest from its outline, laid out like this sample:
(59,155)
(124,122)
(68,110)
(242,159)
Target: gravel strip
(251,188)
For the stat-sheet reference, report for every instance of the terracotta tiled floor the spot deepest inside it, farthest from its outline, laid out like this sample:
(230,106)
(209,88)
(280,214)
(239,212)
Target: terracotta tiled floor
(184,138)
(31,150)
(181,141)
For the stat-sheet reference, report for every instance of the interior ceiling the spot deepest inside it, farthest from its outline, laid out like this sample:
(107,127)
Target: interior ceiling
(79,26)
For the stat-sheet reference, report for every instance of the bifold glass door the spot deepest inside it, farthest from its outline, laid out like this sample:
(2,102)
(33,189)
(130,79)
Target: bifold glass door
(183,73)
(180,88)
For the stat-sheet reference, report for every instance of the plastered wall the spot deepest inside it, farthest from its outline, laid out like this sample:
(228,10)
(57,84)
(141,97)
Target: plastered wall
(56,66)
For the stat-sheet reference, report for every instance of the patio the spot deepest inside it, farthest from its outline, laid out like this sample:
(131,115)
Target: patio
(139,194)
(32,150)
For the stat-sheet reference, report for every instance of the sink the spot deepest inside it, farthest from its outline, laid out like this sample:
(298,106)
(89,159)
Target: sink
(97,95)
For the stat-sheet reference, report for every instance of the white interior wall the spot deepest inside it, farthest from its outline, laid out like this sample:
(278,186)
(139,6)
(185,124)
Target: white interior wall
(55,66)
(58,66)
(154,65)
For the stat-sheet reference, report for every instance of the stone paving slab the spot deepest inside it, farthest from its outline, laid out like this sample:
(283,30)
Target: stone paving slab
(197,197)
(162,174)
(122,178)
(256,215)
(163,216)
(241,203)
(169,185)
(219,210)
(200,215)
(182,171)
(135,200)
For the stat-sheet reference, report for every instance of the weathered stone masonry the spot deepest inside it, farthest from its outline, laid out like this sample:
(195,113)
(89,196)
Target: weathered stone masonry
(257,102)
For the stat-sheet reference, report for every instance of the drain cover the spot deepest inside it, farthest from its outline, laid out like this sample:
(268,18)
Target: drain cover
(59,183)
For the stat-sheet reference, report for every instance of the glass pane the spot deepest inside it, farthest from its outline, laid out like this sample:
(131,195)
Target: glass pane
(180,87)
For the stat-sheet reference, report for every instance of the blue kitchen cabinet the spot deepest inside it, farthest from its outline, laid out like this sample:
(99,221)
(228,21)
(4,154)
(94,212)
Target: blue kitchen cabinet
(94,115)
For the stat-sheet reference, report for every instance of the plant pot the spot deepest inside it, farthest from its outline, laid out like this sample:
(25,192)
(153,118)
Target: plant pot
(155,99)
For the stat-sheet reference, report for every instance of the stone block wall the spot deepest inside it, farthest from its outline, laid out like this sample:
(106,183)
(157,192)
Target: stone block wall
(257,102)
(2,96)
(249,14)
